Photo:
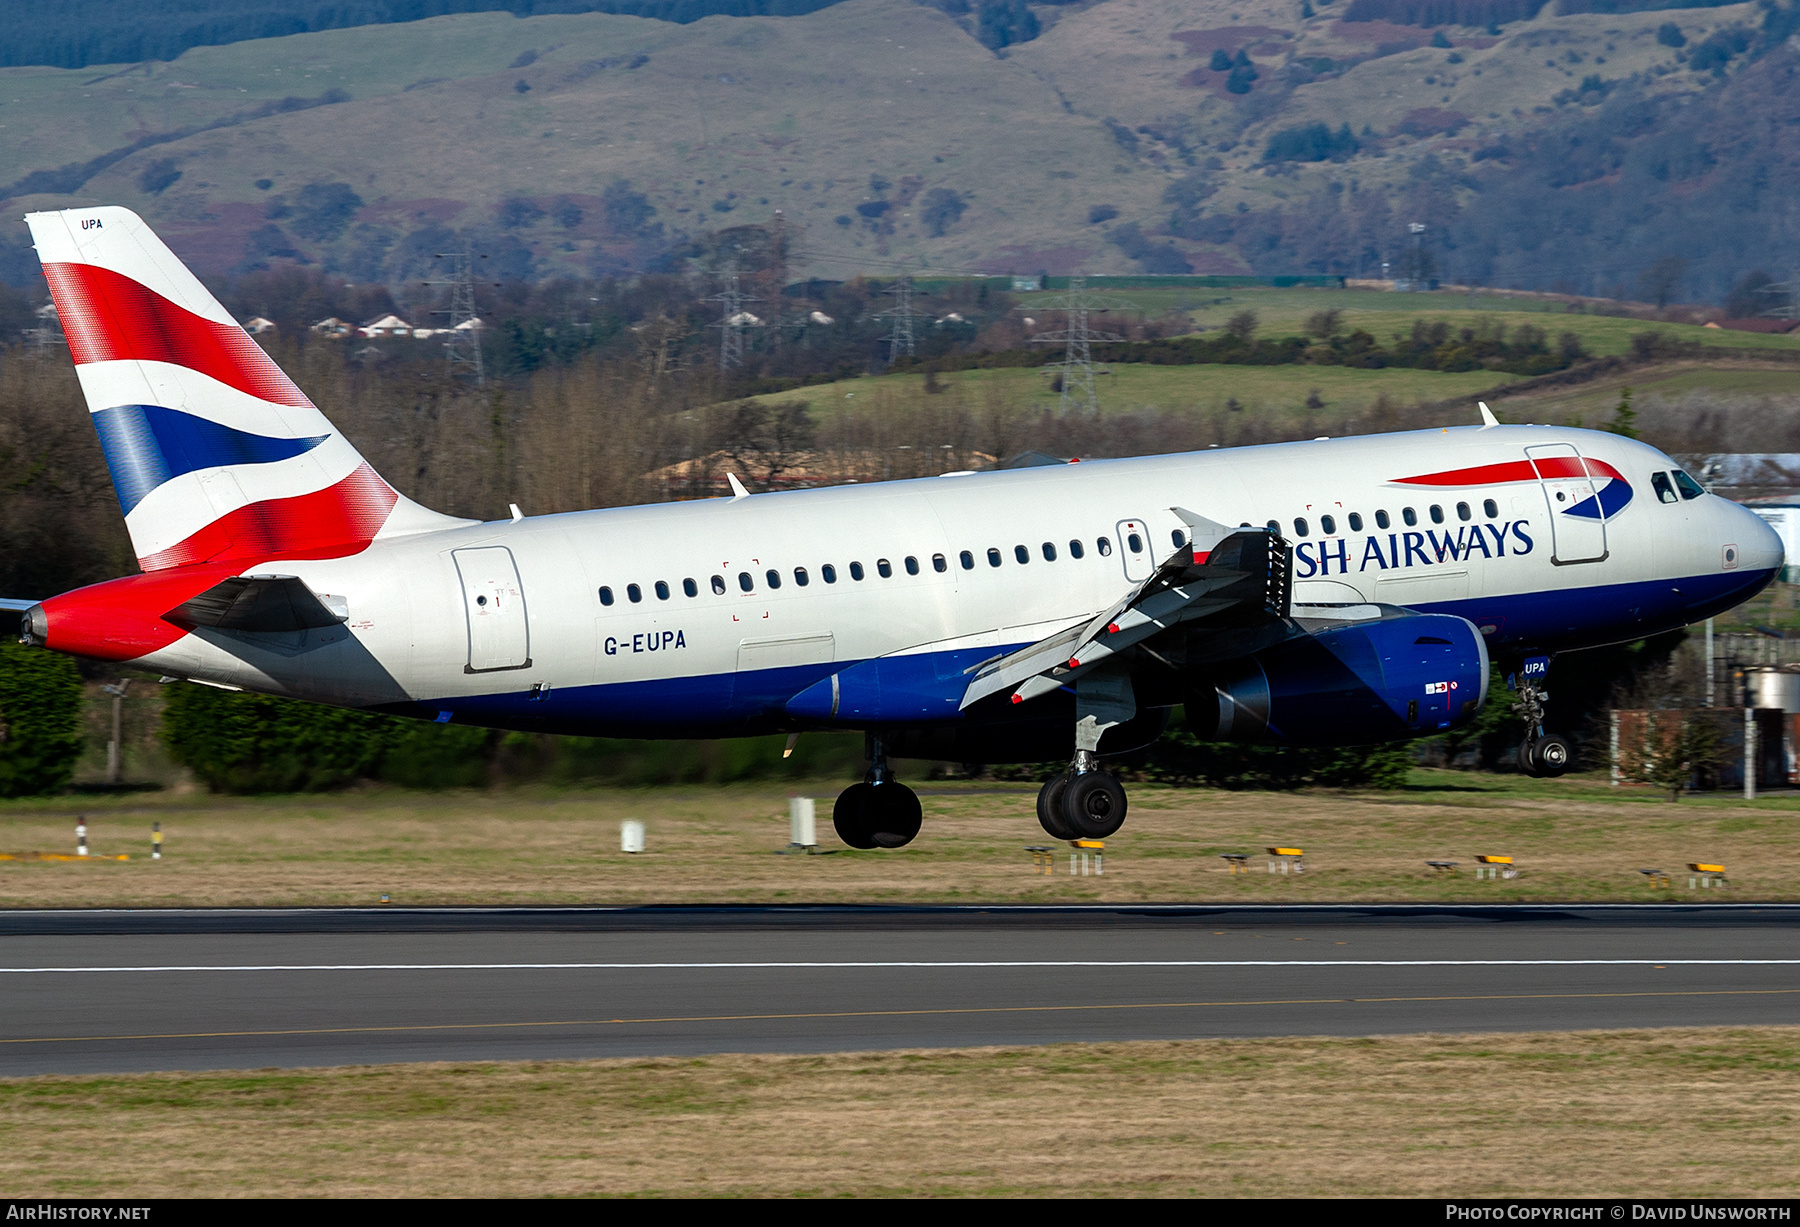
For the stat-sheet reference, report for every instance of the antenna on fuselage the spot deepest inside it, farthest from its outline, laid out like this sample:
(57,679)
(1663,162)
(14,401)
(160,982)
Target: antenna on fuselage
(1487,415)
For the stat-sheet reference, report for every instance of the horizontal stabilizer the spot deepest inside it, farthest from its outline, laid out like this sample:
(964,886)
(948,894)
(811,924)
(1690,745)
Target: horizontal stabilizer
(259,603)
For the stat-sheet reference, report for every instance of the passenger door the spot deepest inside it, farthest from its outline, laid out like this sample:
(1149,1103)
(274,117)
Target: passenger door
(494,600)
(1564,477)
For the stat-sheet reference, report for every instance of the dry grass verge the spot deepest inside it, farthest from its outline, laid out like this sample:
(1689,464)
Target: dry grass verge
(1671,1113)
(1574,840)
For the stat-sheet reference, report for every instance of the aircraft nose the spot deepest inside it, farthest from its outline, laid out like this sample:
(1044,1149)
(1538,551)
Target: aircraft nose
(1759,545)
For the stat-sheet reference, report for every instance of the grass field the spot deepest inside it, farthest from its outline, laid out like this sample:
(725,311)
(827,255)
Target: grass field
(1206,388)
(1574,839)
(1666,1113)
(1284,312)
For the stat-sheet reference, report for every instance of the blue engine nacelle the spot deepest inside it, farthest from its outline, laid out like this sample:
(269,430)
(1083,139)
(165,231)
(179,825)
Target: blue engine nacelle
(1408,675)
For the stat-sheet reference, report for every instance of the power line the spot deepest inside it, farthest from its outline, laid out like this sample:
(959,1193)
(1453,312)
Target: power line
(1077,365)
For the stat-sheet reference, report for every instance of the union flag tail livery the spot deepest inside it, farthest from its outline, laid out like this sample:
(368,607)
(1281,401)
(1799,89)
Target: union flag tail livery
(215,455)
(1331,592)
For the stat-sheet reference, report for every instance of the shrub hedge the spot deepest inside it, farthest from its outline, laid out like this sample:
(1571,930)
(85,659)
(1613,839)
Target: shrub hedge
(40,720)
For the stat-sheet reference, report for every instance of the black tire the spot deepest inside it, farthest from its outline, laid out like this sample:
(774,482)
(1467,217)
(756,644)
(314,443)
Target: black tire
(851,817)
(1528,764)
(1093,805)
(1551,755)
(1049,805)
(892,814)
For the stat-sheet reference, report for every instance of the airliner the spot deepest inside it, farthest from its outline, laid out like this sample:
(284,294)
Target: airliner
(1334,592)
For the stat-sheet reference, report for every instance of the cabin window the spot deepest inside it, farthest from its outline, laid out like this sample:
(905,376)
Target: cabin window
(1328,525)
(1075,548)
(1463,512)
(1490,509)
(1300,527)
(1179,538)
(1437,514)
(993,557)
(912,565)
(1103,545)
(828,573)
(967,559)
(1382,521)
(801,578)
(662,589)
(1049,551)
(773,576)
(938,564)
(633,593)
(745,582)
(884,568)
(690,588)
(606,596)
(1136,543)
(1021,553)
(1409,515)
(1688,486)
(856,571)
(1275,527)
(718,585)
(1356,521)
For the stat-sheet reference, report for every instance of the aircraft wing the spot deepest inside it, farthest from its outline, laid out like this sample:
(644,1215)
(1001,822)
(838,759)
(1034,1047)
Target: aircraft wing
(1228,578)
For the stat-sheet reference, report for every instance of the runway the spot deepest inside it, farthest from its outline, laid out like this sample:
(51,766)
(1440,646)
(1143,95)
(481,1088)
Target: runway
(127,991)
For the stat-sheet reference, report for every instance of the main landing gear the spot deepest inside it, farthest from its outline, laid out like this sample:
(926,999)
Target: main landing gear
(880,812)
(1085,802)
(1541,755)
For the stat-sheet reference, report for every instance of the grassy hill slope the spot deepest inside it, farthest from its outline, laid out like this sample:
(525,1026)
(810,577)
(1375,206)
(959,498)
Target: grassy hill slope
(882,128)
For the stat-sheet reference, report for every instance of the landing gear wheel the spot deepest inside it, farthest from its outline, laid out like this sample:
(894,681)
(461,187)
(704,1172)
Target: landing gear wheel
(1049,807)
(1551,755)
(1528,765)
(1093,805)
(849,816)
(893,814)
(885,815)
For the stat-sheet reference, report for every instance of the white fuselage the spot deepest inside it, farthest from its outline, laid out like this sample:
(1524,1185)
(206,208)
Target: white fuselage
(438,630)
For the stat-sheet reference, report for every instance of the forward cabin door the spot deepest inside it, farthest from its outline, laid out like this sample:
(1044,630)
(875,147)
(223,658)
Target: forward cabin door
(1579,537)
(495,603)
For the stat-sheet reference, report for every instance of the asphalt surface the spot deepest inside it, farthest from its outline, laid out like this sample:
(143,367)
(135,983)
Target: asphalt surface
(85,992)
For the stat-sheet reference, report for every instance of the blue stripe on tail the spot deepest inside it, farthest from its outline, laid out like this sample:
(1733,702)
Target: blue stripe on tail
(146,445)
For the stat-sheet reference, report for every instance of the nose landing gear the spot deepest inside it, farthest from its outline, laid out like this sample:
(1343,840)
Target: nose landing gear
(1541,755)
(880,812)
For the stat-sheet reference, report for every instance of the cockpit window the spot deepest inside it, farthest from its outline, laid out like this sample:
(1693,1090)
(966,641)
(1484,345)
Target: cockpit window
(1665,489)
(1688,486)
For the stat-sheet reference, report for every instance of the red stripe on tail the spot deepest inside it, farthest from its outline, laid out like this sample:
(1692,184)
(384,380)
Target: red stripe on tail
(108,316)
(331,523)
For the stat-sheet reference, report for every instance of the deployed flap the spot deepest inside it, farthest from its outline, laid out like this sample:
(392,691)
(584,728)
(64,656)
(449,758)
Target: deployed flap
(258,603)
(1244,574)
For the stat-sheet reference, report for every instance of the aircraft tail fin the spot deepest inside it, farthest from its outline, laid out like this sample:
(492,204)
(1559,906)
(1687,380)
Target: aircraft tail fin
(215,454)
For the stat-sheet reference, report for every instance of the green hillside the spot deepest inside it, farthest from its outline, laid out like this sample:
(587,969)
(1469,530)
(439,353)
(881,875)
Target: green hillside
(1580,150)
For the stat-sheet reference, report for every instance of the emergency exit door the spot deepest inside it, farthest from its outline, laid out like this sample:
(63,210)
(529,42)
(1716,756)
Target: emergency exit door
(494,600)
(1134,549)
